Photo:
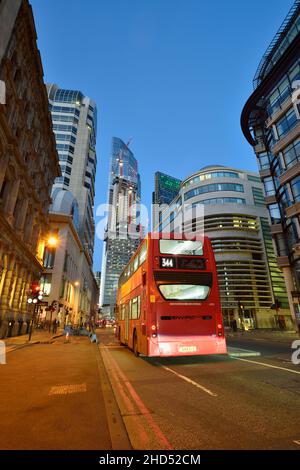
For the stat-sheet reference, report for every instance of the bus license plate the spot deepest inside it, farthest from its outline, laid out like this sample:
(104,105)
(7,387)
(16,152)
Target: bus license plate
(184,349)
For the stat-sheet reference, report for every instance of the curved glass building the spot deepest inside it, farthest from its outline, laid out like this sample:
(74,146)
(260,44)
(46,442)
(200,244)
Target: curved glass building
(237,222)
(270,123)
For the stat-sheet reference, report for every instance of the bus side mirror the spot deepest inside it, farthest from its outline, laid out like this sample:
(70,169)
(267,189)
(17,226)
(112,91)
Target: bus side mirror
(144,279)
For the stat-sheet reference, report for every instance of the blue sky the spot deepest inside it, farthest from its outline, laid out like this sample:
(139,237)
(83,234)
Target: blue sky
(172,74)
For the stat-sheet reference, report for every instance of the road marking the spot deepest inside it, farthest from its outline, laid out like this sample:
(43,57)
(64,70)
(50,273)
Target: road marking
(183,377)
(297,442)
(268,365)
(67,389)
(144,412)
(239,352)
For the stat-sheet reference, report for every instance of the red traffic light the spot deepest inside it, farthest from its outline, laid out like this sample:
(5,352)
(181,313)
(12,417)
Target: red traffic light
(35,287)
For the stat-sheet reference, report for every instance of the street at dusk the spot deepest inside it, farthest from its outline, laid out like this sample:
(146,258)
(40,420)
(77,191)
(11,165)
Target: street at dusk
(149,233)
(188,403)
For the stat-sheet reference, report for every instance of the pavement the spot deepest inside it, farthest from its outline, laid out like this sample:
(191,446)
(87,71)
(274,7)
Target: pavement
(265,335)
(56,395)
(38,336)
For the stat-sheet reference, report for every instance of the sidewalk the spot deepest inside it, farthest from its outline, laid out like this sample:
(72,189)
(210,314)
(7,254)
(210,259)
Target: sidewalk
(52,397)
(264,335)
(38,336)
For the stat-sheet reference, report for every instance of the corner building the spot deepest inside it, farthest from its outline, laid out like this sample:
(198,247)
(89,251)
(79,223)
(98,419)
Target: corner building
(270,123)
(236,220)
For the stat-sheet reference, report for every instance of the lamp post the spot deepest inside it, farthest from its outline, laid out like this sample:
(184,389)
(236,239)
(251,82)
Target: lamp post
(35,298)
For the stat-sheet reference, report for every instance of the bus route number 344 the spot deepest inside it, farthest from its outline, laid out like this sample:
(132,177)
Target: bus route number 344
(167,262)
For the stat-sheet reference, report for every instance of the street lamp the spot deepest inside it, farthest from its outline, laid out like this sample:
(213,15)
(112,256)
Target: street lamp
(52,241)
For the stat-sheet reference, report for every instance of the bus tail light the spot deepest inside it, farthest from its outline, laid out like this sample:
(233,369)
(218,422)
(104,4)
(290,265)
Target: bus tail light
(153,330)
(220,329)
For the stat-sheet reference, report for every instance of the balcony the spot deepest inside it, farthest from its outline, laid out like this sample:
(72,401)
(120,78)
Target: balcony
(265,173)
(276,228)
(293,210)
(260,147)
(283,261)
(290,173)
(270,200)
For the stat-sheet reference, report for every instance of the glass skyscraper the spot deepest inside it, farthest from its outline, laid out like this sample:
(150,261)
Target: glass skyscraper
(166,189)
(74,118)
(123,233)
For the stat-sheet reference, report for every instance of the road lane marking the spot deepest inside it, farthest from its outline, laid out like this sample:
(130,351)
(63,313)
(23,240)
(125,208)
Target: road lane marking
(67,389)
(144,412)
(239,352)
(183,377)
(129,407)
(267,365)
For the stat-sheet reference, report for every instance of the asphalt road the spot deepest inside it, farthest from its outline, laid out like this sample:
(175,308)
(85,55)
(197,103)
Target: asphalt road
(211,402)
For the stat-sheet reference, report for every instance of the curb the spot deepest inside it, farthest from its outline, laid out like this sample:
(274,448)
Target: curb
(117,430)
(32,343)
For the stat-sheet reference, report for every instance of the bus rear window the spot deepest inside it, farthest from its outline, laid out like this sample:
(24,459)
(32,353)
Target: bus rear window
(181,247)
(184,291)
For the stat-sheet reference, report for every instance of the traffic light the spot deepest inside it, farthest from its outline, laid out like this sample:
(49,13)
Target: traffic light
(35,287)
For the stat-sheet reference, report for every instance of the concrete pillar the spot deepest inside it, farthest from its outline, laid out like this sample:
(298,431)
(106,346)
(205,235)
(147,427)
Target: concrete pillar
(290,286)
(16,299)
(26,287)
(3,166)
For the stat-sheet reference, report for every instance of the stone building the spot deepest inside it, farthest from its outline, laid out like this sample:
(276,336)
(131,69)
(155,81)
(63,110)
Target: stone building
(28,164)
(68,281)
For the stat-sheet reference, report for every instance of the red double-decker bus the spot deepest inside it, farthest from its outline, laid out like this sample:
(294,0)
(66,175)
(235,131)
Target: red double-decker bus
(168,301)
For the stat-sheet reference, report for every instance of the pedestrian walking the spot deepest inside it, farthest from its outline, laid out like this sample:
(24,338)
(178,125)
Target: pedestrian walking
(68,331)
(54,327)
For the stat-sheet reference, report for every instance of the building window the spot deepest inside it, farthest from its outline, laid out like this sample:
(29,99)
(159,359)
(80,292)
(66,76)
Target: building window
(274,213)
(263,160)
(49,258)
(286,123)
(220,200)
(278,96)
(256,179)
(45,283)
(295,187)
(213,188)
(291,154)
(269,186)
(258,196)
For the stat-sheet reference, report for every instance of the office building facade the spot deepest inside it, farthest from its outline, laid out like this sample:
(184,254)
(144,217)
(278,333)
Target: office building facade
(74,119)
(270,123)
(123,232)
(166,189)
(237,222)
